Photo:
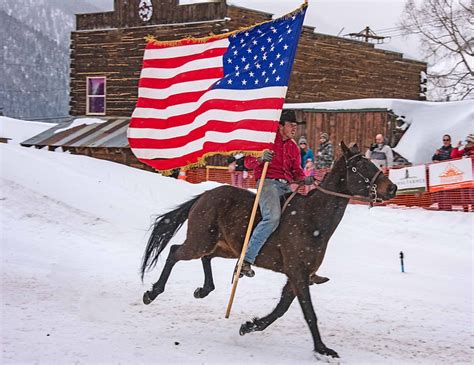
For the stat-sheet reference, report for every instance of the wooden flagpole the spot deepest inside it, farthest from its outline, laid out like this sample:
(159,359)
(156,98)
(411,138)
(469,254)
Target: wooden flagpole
(247,239)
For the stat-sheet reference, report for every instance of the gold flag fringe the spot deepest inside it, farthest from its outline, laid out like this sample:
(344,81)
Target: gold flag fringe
(151,39)
(202,160)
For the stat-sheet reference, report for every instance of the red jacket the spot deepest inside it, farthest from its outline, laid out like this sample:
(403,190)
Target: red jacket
(455,153)
(286,162)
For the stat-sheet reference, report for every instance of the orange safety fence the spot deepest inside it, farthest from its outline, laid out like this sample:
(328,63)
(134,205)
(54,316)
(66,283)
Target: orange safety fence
(461,199)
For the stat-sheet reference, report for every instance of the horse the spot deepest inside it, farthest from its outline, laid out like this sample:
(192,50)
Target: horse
(217,223)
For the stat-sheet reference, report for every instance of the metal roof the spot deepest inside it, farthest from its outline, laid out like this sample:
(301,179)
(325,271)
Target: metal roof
(112,132)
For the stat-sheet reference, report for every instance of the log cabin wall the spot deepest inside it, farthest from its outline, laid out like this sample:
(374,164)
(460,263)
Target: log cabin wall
(329,68)
(326,68)
(359,126)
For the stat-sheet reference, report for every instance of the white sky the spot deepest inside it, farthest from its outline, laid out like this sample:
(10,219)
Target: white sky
(346,16)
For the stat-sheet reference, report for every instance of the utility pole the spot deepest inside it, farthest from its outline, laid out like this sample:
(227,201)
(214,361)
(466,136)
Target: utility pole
(367,35)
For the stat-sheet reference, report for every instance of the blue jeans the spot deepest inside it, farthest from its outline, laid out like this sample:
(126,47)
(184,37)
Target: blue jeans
(271,212)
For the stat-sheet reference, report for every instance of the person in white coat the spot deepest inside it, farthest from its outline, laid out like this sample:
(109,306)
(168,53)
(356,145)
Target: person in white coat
(380,153)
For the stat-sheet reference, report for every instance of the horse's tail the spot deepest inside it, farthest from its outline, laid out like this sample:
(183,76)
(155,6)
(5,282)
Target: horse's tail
(164,228)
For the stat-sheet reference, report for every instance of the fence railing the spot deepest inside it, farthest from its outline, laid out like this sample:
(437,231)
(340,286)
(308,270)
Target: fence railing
(447,197)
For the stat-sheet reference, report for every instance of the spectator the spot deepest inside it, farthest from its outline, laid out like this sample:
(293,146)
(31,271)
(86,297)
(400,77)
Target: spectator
(174,173)
(325,152)
(466,150)
(444,152)
(236,169)
(380,153)
(308,171)
(306,152)
(467,195)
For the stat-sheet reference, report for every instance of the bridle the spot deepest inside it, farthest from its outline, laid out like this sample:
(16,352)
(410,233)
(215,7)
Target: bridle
(371,185)
(350,168)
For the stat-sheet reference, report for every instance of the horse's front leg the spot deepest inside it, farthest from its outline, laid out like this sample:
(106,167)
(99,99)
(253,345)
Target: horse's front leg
(259,324)
(300,286)
(208,280)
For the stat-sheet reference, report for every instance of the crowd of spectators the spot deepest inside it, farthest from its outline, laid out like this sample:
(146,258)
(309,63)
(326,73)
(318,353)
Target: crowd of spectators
(317,162)
(447,152)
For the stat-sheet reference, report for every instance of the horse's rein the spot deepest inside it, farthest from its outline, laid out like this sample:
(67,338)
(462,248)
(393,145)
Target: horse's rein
(372,189)
(341,195)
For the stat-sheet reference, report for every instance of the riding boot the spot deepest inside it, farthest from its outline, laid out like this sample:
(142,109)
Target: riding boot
(316,279)
(246,270)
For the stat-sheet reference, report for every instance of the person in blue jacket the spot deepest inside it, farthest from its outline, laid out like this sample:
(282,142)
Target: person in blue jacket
(306,152)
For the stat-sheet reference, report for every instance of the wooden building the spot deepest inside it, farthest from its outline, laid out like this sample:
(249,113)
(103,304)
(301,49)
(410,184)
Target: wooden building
(107,51)
(106,56)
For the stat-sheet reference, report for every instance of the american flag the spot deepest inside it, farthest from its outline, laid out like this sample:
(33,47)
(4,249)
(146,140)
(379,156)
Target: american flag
(219,94)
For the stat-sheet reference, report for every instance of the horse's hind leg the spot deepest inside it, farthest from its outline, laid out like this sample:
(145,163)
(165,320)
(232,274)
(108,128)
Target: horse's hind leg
(208,281)
(259,324)
(159,286)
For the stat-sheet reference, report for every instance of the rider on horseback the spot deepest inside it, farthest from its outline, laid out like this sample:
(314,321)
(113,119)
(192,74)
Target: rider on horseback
(284,168)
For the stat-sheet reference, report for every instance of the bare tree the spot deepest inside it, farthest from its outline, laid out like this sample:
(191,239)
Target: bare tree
(446,28)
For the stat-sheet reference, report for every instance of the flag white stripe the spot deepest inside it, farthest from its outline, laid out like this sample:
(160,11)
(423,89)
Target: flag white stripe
(202,119)
(183,87)
(180,51)
(197,145)
(167,73)
(222,94)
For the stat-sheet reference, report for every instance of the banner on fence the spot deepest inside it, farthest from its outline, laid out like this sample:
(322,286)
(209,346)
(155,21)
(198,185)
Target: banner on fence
(410,180)
(454,174)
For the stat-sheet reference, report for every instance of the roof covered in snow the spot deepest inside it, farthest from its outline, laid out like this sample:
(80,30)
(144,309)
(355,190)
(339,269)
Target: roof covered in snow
(84,132)
(427,121)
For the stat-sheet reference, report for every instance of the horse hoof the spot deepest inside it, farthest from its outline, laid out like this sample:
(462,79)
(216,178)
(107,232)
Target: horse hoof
(147,299)
(199,293)
(327,352)
(247,327)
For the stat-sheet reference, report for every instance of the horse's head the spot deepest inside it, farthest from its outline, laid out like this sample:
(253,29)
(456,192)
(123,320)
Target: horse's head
(363,177)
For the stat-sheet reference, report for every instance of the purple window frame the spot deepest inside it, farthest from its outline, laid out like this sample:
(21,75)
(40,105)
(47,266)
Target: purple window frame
(96,95)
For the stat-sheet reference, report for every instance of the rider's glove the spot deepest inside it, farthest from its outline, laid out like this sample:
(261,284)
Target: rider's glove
(267,156)
(308,180)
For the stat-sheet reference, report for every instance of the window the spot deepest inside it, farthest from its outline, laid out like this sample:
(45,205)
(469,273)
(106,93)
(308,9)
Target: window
(95,96)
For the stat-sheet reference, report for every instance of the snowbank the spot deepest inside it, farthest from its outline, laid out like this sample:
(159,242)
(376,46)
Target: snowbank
(428,122)
(20,130)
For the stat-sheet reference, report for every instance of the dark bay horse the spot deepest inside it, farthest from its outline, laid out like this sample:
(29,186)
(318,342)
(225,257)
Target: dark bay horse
(218,221)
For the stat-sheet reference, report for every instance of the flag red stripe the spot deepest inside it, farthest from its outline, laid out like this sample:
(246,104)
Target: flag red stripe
(190,97)
(183,119)
(198,133)
(179,61)
(235,145)
(204,74)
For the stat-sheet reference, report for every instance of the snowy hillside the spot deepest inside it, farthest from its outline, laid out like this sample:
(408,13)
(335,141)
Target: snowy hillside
(73,231)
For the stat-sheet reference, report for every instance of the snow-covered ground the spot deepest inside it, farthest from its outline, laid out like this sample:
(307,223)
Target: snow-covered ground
(73,231)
